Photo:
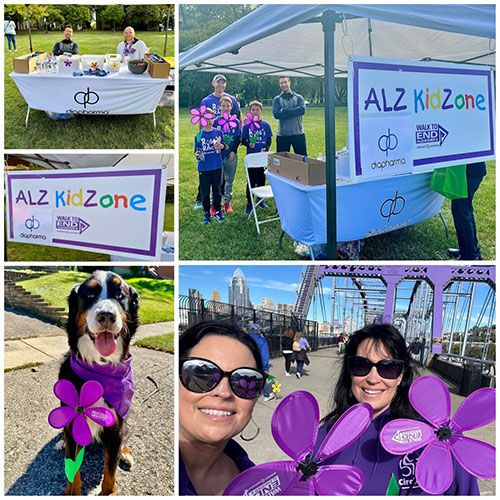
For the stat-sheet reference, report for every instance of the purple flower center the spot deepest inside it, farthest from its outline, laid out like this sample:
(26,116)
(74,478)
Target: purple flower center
(444,433)
(308,467)
(79,409)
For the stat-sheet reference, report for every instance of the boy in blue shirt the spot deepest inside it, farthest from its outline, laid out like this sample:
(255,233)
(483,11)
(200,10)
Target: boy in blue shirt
(256,140)
(232,138)
(208,144)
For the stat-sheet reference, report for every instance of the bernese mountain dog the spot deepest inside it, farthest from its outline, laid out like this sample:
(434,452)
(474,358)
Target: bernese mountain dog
(103,317)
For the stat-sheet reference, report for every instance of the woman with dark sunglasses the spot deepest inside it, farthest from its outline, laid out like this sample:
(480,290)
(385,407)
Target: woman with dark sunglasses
(221,376)
(377,369)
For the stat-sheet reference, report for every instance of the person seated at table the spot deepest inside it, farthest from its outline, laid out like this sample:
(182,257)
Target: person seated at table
(257,138)
(232,138)
(208,144)
(66,45)
(131,48)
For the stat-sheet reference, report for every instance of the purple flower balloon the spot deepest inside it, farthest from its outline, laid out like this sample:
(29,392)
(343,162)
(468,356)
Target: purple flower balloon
(294,427)
(431,398)
(201,115)
(78,408)
(227,121)
(253,121)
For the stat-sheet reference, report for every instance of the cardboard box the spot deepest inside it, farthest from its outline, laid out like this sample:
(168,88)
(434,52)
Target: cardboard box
(157,70)
(298,168)
(24,65)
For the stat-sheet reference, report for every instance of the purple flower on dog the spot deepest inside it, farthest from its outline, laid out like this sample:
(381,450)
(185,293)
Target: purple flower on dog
(78,408)
(443,437)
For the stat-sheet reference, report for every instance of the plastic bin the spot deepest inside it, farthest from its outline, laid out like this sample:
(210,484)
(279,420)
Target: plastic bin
(472,378)
(68,64)
(112,62)
(92,62)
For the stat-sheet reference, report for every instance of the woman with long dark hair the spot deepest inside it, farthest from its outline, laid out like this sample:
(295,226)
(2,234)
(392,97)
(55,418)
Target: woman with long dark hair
(221,376)
(377,369)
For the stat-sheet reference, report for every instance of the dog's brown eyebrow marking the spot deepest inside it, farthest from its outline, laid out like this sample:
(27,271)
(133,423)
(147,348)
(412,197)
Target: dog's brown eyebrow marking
(93,283)
(117,281)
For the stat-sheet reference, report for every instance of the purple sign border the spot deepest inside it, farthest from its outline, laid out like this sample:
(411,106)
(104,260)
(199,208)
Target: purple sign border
(357,65)
(128,173)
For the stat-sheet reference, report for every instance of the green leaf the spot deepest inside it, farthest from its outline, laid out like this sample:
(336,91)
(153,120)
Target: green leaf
(270,378)
(71,467)
(392,488)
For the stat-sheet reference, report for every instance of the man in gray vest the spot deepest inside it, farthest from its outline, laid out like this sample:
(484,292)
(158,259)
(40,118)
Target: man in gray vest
(288,108)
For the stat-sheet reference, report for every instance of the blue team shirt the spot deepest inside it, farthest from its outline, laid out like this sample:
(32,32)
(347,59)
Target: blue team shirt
(262,135)
(230,135)
(212,102)
(213,160)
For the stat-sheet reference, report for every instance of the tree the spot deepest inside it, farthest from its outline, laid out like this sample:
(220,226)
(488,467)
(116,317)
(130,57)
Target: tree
(113,14)
(75,15)
(143,16)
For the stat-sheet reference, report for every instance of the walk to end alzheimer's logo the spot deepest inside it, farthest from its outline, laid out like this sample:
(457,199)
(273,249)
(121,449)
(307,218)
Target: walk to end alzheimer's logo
(70,224)
(429,135)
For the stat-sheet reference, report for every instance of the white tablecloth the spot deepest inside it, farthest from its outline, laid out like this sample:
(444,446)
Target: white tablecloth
(363,210)
(120,93)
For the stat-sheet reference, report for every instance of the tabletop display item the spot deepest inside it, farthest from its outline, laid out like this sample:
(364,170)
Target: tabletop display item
(68,64)
(137,66)
(112,62)
(92,62)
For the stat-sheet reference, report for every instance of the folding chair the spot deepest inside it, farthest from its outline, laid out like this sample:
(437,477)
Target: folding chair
(263,192)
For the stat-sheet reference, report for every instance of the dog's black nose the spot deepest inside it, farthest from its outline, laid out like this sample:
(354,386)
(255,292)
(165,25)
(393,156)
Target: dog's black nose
(106,319)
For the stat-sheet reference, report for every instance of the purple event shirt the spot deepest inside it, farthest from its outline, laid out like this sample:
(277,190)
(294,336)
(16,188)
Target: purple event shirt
(116,381)
(262,135)
(233,450)
(377,464)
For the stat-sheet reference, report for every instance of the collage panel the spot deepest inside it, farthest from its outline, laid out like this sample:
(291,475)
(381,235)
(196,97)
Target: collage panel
(88,372)
(337,380)
(89,207)
(89,76)
(362,132)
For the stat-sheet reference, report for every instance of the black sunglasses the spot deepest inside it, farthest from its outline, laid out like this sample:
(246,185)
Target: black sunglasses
(201,375)
(386,368)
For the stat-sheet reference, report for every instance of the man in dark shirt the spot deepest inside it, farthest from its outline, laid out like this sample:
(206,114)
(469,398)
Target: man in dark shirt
(463,216)
(66,45)
(415,349)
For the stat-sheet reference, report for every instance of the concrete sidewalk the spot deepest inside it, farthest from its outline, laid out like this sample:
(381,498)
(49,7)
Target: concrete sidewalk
(45,342)
(320,378)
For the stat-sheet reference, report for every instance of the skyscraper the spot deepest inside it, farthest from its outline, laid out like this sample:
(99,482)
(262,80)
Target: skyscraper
(238,293)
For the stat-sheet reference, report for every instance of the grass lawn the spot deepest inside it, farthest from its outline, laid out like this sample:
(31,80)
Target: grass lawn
(164,343)
(238,239)
(157,296)
(26,252)
(83,132)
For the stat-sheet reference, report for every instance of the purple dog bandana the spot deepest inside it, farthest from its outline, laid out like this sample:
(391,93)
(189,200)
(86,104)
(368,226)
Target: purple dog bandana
(115,379)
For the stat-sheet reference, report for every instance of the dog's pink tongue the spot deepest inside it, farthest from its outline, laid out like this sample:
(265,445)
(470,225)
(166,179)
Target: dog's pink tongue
(105,343)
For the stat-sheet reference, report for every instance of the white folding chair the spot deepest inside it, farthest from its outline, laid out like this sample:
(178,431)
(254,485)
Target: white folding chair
(256,160)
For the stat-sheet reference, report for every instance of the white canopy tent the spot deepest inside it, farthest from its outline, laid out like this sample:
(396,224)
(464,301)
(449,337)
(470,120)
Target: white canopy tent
(287,40)
(59,161)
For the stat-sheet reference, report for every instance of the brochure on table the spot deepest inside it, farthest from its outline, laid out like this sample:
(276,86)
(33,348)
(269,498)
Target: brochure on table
(411,117)
(116,210)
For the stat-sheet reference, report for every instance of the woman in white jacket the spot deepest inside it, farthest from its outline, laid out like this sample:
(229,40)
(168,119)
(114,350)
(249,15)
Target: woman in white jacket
(9,28)
(131,48)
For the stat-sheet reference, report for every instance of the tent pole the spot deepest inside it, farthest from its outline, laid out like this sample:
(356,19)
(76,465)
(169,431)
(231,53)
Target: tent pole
(29,26)
(328,22)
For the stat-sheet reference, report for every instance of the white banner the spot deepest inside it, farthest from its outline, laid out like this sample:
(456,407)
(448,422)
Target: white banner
(108,210)
(434,114)
(121,93)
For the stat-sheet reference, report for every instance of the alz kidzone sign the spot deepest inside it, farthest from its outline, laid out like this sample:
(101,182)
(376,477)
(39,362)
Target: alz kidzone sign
(109,210)
(407,116)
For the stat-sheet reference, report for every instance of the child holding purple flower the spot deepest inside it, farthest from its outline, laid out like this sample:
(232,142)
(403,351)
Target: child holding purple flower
(230,127)
(257,137)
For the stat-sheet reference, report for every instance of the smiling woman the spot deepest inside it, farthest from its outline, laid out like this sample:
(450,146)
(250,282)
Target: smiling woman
(221,375)
(377,369)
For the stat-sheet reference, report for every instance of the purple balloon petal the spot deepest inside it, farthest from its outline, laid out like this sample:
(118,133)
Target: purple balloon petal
(434,472)
(477,410)
(273,478)
(338,480)
(474,456)
(203,121)
(66,392)
(195,120)
(194,111)
(61,417)
(346,430)
(297,441)
(91,393)
(81,431)
(431,398)
(403,436)
(101,416)
(203,108)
